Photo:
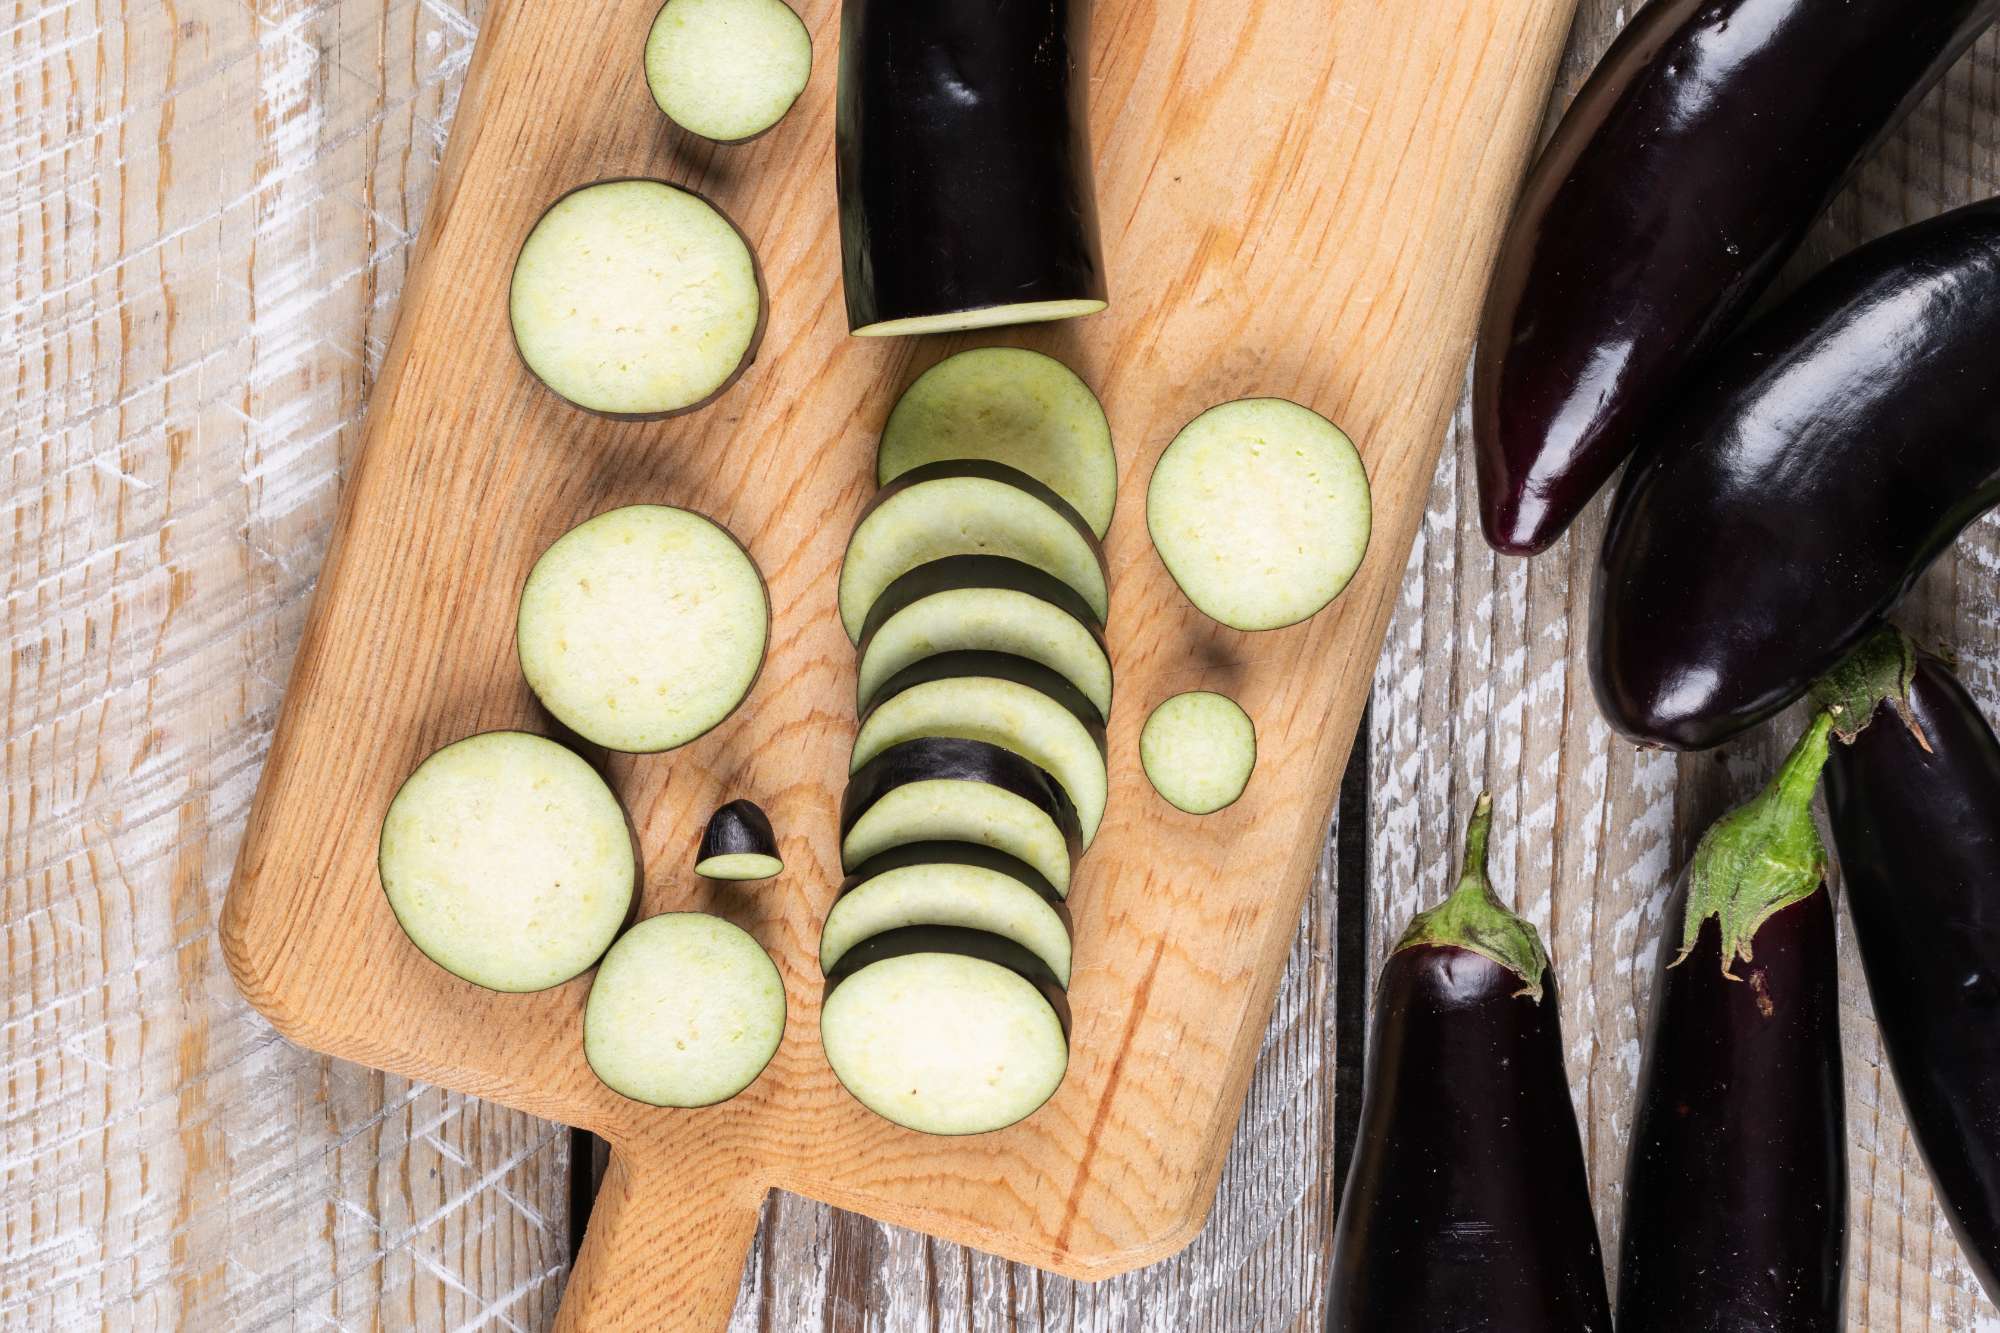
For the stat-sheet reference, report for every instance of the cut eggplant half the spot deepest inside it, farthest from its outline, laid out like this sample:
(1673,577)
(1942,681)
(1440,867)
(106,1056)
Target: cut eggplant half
(686,1011)
(636,298)
(1260,510)
(961,853)
(727,70)
(969,507)
(962,163)
(945,789)
(946,893)
(642,628)
(946,1031)
(508,861)
(982,604)
(1001,712)
(1013,406)
(738,844)
(1198,750)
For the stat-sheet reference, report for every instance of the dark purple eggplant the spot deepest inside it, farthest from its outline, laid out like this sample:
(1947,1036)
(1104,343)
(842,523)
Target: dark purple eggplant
(1690,165)
(1914,803)
(1822,462)
(1736,1182)
(1466,1206)
(962,155)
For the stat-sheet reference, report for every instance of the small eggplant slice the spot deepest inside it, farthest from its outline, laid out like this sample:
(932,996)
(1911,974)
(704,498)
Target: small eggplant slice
(1260,510)
(946,789)
(1198,750)
(1914,804)
(1690,165)
(508,861)
(1814,471)
(1466,1206)
(636,299)
(968,507)
(1736,1182)
(727,70)
(738,843)
(946,893)
(642,628)
(687,1010)
(945,1030)
(1013,406)
(962,163)
(985,604)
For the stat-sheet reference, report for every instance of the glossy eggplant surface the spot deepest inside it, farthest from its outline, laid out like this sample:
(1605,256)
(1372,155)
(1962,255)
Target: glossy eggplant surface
(1822,461)
(1914,803)
(963,164)
(1694,159)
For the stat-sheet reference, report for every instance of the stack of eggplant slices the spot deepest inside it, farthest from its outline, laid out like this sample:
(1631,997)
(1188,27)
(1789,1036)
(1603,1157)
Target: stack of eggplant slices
(974,588)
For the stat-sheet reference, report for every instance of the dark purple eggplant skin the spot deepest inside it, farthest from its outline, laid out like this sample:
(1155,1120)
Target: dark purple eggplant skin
(1736,1183)
(962,156)
(1466,1205)
(1826,457)
(739,826)
(954,759)
(1693,161)
(1918,835)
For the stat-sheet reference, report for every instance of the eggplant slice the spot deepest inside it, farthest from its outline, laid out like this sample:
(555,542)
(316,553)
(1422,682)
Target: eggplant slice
(946,893)
(1013,406)
(727,70)
(946,1031)
(738,844)
(686,1011)
(970,507)
(1198,750)
(946,789)
(988,605)
(1000,712)
(508,861)
(962,160)
(961,853)
(642,628)
(1260,510)
(636,298)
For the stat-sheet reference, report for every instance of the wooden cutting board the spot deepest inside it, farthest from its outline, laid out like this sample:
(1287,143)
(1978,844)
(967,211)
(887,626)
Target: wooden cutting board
(1300,197)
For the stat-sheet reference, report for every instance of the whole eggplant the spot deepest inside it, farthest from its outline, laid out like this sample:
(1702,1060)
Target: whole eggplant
(1914,802)
(1736,1182)
(1689,166)
(1466,1206)
(1822,461)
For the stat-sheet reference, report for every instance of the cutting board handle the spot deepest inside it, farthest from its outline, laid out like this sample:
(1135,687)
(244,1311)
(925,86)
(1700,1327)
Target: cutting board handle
(664,1249)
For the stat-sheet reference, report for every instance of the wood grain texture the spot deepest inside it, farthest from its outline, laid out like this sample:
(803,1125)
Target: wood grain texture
(204,210)
(1293,200)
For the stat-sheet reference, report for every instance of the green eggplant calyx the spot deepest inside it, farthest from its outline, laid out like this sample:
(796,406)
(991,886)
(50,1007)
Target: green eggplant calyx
(1760,857)
(1877,672)
(1474,918)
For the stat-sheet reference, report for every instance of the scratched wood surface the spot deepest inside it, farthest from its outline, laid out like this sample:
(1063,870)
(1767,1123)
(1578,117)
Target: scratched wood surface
(205,209)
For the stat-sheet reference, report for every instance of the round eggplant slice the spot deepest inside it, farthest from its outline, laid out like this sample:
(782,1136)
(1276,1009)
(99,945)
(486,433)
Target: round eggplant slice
(946,1031)
(727,70)
(635,298)
(970,507)
(686,1011)
(984,604)
(1000,712)
(1000,666)
(962,158)
(963,853)
(1260,510)
(738,844)
(1198,750)
(1013,406)
(946,893)
(508,861)
(946,789)
(642,628)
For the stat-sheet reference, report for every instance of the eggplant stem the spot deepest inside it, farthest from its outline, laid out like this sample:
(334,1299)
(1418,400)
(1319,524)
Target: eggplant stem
(1761,857)
(1879,671)
(1474,918)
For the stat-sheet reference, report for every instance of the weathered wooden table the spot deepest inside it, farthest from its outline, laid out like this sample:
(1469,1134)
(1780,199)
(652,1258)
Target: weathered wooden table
(206,213)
